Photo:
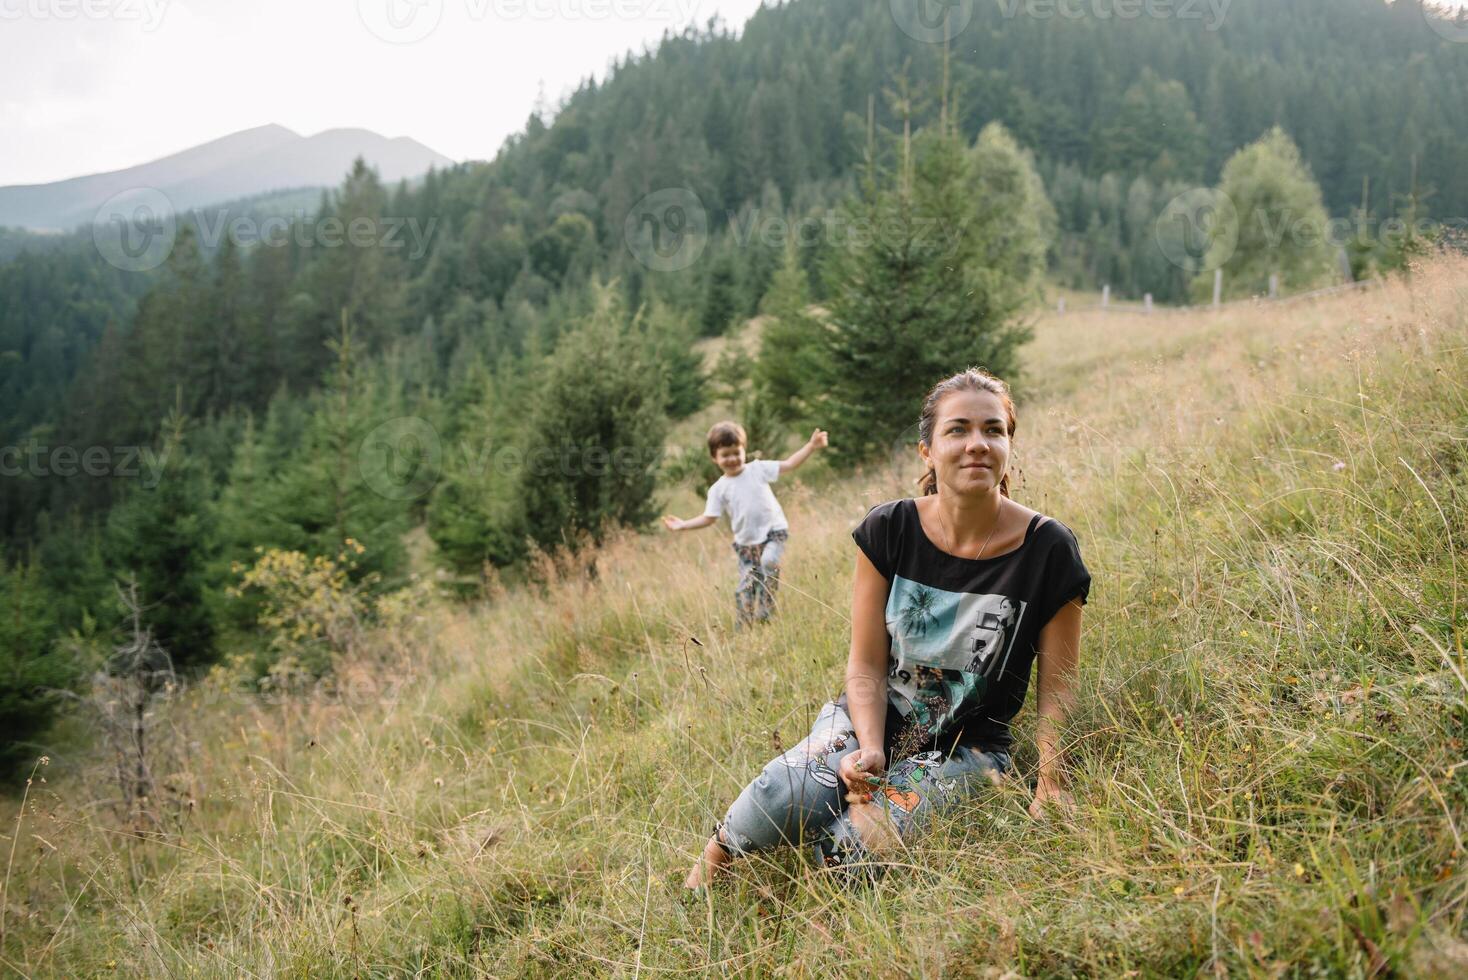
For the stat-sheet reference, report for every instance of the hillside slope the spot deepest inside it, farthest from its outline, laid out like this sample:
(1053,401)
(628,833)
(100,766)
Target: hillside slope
(1267,756)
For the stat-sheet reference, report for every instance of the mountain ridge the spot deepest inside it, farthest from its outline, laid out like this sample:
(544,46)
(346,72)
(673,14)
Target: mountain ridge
(240,164)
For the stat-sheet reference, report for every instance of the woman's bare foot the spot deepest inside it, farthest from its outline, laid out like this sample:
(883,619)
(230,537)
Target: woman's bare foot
(875,827)
(713,859)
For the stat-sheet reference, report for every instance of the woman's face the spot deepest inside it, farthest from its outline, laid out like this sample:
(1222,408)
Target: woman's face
(970,448)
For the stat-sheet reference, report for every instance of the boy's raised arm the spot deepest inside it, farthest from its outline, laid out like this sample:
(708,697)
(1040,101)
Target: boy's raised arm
(692,524)
(818,440)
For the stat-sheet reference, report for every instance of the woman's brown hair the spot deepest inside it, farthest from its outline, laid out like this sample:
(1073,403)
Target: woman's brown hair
(976,380)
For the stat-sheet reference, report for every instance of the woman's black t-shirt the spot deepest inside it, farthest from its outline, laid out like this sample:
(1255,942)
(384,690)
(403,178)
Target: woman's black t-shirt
(964,630)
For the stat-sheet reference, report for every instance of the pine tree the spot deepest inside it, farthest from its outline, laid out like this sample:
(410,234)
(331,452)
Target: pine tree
(476,514)
(347,478)
(787,370)
(157,369)
(721,303)
(566,246)
(162,535)
(248,513)
(271,271)
(348,268)
(670,347)
(917,302)
(596,431)
(70,567)
(1155,132)
(32,674)
(1407,241)
(218,339)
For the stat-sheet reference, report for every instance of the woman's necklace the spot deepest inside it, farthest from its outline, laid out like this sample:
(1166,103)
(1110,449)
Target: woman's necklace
(948,540)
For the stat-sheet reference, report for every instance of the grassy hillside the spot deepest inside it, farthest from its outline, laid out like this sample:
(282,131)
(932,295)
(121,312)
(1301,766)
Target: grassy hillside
(1268,756)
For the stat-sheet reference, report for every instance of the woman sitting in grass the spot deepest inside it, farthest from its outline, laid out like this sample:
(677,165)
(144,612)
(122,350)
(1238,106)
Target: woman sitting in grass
(957,593)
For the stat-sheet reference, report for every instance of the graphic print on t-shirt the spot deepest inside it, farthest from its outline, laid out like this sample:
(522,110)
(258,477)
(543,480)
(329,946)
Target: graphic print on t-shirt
(946,645)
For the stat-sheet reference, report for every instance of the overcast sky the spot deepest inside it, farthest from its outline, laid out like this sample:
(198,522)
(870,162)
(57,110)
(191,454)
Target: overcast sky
(95,85)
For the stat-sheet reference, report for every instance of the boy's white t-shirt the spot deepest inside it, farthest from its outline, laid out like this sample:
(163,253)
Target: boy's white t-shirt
(748,500)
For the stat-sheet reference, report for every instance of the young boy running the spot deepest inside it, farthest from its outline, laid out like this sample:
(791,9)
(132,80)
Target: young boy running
(760,531)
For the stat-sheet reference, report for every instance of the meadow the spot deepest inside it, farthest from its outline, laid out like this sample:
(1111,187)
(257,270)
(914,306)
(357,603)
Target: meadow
(1267,758)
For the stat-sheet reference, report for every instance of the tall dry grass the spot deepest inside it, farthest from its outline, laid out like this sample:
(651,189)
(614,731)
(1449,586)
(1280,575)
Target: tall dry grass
(1268,758)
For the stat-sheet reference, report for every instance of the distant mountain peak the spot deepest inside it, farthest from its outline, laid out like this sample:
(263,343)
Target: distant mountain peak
(252,161)
(274,129)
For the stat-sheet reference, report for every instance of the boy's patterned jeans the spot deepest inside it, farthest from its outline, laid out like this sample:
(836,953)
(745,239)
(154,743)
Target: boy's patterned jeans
(759,577)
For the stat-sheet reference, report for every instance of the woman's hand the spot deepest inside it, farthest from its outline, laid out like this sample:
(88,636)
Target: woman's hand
(672,523)
(859,771)
(1050,794)
(1058,652)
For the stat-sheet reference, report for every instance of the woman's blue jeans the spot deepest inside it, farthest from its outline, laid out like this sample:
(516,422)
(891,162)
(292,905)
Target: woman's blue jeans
(798,798)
